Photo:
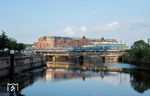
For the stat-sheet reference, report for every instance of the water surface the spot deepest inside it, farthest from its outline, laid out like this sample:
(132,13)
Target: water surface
(67,82)
(60,82)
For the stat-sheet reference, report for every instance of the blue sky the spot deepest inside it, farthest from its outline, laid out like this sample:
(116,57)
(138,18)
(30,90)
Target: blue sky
(27,20)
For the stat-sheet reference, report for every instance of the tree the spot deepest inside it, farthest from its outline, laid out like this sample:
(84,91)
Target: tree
(3,41)
(20,46)
(139,45)
(138,48)
(12,44)
(9,43)
(138,54)
(146,53)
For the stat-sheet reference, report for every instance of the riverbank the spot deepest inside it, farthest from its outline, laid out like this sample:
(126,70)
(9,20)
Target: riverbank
(21,63)
(138,54)
(142,63)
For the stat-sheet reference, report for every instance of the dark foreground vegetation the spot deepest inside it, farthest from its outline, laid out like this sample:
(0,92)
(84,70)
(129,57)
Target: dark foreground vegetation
(138,54)
(7,43)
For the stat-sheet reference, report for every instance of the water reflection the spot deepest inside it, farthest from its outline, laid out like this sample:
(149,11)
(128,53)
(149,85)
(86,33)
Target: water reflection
(140,81)
(71,64)
(31,82)
(24,80)
(113,78)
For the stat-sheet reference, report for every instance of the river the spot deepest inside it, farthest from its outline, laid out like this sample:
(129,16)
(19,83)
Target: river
(66,82)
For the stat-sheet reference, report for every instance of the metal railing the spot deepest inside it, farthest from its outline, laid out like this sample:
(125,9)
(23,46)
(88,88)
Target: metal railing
(4,54)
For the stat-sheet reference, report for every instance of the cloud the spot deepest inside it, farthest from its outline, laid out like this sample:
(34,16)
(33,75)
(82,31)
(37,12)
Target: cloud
(116,26)
(112,27)
(68,30)
(129,31)
(72,30)
(83,29)
(135,21)
(137,24)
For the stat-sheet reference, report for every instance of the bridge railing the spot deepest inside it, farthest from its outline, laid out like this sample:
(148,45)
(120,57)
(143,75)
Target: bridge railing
(87,52)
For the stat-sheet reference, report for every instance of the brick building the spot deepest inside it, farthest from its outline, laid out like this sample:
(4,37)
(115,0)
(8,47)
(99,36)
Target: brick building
(68,42)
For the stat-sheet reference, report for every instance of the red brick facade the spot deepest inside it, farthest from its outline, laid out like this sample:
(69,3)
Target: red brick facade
(67,42)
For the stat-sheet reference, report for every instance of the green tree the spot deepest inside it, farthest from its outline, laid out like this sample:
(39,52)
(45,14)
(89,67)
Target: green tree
(138,49)
(12,44)
(139,45)
(9,43)
(146,53)
(3,41)
(20,46)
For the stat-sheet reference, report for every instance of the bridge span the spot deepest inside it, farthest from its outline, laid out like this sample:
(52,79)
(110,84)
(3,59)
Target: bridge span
(114,55)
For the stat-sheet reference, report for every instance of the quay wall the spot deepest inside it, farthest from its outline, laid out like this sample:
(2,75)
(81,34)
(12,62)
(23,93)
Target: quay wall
(21,63)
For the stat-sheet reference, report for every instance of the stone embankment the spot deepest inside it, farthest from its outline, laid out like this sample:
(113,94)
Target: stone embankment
(21,63)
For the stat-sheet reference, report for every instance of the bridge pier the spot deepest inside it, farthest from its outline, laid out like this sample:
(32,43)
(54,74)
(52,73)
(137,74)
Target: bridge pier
(54,58)
(112,59)
(103,59)
(49,58)
(57,58)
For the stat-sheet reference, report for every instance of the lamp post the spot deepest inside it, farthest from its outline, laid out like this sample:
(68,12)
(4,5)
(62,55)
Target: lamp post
(11,68)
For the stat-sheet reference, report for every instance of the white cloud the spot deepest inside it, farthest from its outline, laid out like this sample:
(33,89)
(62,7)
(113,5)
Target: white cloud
(137,24)
(128,31)
(136,21)
(72,30)
(113,26)
(68,30)
(83,29)
(116,26)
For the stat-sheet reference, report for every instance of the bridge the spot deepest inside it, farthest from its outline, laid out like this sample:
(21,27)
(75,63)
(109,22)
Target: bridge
(101,53)
(115,55)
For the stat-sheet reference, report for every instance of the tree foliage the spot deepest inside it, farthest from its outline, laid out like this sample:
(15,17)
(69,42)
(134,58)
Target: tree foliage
(3,40)
(10,43)
(140,50)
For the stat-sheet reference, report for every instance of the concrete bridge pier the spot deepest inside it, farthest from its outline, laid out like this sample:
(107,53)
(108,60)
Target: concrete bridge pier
(54,58)
(112,59)
(49,58)
(103,60)
(57,58)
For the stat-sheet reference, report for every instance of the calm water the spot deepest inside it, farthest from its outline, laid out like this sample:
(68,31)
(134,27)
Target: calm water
(61,82)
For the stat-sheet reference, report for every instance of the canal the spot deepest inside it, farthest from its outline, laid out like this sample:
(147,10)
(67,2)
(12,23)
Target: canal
(76,82)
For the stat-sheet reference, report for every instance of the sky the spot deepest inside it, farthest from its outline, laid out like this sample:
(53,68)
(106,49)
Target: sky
(124,20)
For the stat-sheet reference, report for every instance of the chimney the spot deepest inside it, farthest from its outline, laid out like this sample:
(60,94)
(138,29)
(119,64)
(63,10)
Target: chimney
(148,41)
